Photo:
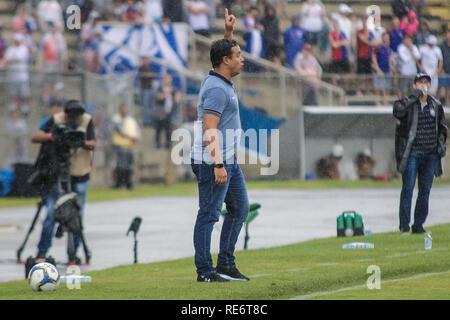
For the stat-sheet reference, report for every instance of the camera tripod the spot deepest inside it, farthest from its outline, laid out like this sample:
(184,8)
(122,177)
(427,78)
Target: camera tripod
(69,205)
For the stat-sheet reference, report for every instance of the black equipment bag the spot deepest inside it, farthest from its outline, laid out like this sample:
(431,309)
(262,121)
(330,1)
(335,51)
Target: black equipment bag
(32,261)
(45,168)
(20,186)
(67,212)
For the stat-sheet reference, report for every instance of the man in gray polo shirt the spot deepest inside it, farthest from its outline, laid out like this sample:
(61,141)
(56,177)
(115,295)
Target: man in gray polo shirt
(219,177)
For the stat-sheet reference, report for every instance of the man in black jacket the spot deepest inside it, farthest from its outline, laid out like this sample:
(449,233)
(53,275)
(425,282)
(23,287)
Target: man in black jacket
(420,137)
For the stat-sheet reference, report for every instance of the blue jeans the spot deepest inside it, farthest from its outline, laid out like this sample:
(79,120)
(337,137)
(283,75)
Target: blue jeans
(49,223)
(211,198)
(147,103)
(423,166)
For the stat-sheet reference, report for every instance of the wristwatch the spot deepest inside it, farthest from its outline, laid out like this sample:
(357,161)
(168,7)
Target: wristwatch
(218,165)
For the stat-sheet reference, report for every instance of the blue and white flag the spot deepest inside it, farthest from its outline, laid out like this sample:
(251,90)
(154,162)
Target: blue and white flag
(123,45)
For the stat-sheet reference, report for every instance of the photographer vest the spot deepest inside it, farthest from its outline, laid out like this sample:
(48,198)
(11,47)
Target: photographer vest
(81,159)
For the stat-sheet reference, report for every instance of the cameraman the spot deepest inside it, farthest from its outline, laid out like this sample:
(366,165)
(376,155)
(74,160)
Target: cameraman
(420,137)
(80,159)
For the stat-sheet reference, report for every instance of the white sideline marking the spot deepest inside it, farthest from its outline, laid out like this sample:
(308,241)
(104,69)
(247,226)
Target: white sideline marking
(322,293)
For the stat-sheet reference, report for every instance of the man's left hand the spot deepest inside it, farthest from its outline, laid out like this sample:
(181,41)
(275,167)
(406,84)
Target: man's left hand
(229,24)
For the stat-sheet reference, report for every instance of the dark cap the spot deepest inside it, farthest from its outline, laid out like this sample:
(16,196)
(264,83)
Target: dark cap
(74,107)
(422,75)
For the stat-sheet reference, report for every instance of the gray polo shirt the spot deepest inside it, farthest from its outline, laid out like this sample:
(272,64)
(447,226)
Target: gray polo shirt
(217,96)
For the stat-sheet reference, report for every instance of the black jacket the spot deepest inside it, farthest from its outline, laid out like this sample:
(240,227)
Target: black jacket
(407,113)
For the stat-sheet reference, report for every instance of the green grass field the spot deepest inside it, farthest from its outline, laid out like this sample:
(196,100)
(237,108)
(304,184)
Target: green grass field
(407,272)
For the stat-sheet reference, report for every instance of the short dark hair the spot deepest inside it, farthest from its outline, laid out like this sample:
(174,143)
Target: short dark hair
(219,49)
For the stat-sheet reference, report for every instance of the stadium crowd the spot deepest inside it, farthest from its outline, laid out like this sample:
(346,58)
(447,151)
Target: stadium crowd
(341,44)
(336,46)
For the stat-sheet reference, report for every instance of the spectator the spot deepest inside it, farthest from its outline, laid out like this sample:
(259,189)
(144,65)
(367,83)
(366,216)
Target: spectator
(313,13)
(131,12)
(339,54)
(431,61)
(198,17)
(22,20)
(17,58)
(86,9)
(410,23)
(271,34)
(146,78)
(408,58)
(125,137)
(91,35)
(250,18)
(345,23)
(382,63)
(173,9)
(254,45)
(422,33)
(396,34)
(365,42)
(50,10)
(357,24)
(307,65)
(444,80)
(365,164)
(328,167)
(28,41)
(3,43)
(55,106)
(166,104)
(401,8)
(16,128)
(53,50)
(52,58)
(212,5)
(153,11)
(377,30)
(294,38)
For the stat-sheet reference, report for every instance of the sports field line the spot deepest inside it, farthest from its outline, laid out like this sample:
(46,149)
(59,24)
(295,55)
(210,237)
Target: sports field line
(323,293)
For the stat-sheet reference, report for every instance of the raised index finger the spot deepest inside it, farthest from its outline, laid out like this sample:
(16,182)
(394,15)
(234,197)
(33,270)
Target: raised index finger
(226,13)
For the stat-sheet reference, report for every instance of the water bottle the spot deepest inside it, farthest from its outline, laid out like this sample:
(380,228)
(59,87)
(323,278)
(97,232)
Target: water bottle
(428,241)
(358,245)
(75,278)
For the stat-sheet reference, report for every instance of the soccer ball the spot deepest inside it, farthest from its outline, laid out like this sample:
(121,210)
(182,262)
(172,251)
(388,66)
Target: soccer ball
(43,277)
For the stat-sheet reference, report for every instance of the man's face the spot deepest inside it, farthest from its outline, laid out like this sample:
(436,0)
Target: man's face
(407,41)
(447,36)
(123,111)
(386,39)
(420,84)
(396,22)
(236,62)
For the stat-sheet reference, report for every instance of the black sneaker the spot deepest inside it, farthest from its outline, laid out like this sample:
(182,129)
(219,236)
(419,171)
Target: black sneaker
(211,277)
(231,273)
(418,229)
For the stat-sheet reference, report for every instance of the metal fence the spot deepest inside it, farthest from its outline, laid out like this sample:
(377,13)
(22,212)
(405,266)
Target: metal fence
(25,104)
(381,90)
(278,90)
(22,116)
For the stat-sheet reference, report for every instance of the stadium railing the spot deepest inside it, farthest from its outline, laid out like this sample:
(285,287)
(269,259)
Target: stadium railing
(268,86)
